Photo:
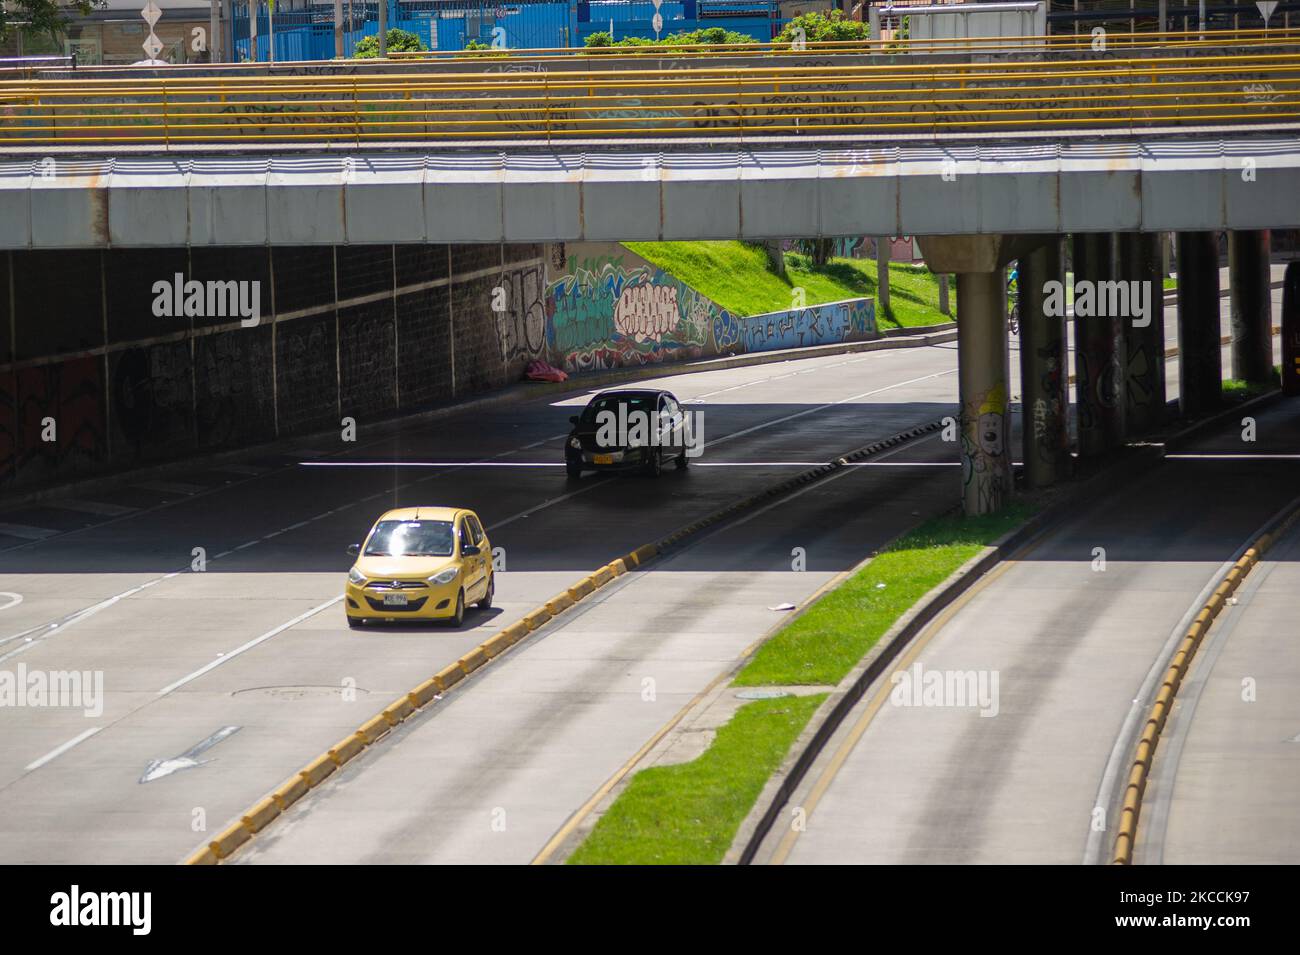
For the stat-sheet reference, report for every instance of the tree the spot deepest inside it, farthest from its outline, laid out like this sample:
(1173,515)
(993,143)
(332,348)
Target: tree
(47,17)
(399,41)
(825,26)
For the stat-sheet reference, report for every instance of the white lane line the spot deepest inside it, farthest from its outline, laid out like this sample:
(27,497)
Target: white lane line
(430,464)
(60,750)
(189,678)
(1233,456)
(46,629)
(13,601)
(248,469)
(27,532)
(908,464)
(172,487)
(93,507)
(832,404)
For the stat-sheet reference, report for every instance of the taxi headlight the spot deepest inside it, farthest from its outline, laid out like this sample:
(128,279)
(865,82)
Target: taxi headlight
(355,576)
(444,577)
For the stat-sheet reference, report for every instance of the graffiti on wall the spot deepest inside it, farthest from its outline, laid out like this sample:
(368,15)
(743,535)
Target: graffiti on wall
(605,312)
(69,393)
(814,325)
(521,324)
(613,310)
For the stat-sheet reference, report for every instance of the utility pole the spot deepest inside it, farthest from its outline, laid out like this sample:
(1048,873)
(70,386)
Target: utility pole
(383,29)
(338,29)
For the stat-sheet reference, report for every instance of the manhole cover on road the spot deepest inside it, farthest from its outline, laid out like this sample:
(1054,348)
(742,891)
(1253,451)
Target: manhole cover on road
(293,693)
(761,694)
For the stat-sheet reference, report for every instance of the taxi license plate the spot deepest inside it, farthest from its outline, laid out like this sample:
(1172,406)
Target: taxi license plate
(602,459)
(394,600)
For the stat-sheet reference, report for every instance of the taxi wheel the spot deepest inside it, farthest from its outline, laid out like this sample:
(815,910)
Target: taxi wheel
(654,464)
(573,469)
(459,617)
(683,462)
(486,602)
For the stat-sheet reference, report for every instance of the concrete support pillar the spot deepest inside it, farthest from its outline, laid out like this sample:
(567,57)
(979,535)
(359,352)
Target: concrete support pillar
(1098,348)
(1291,331)
(882,274)
(1044,398)
(1141,266)
(982,372)
(1200,361)
(982,381)
(1252,312)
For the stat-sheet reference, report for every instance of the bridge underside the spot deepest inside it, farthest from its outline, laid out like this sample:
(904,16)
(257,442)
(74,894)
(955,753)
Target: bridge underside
(674,191)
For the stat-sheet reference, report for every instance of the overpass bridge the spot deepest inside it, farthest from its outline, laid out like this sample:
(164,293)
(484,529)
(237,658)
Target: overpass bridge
(988,154)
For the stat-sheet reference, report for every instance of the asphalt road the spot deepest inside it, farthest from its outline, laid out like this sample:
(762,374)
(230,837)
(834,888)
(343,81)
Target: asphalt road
(258,640)
(1015,776)
(1227,772)
(241,673)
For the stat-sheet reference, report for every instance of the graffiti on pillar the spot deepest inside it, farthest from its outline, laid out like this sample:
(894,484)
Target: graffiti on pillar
(985,469)
(1141,379)
(1047,414)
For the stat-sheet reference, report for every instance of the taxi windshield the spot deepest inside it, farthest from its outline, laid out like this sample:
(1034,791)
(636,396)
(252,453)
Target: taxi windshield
(411,539)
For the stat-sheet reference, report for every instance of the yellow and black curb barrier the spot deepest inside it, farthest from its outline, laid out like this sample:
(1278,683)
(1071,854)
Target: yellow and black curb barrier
(264,812)
(1158,716)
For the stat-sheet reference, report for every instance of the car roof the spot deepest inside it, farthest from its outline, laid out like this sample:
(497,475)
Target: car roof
(631,393)
(423,512)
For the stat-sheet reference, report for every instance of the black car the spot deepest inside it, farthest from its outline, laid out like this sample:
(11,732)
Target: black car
(627,430)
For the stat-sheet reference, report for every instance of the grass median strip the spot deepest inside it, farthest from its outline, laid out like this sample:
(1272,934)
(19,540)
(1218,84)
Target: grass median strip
(820,646)
(689,813)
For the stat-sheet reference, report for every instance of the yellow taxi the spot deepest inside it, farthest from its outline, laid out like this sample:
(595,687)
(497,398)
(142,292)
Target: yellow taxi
(420,563)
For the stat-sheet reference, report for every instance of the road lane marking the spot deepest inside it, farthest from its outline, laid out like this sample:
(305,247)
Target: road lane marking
(93,507)
(917,646)
(172,487)
(160,768)
(817,408)
(189,678)
(14,599)
(27,532)
(1230,456)
(60,750)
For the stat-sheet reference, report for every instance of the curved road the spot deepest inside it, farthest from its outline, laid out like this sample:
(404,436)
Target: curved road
(1062,647)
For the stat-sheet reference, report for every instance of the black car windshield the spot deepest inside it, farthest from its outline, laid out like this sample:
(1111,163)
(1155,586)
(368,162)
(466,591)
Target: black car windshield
(643,404)
(411,539)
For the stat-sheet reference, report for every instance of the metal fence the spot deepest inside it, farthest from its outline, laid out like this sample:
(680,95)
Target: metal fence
(308,34)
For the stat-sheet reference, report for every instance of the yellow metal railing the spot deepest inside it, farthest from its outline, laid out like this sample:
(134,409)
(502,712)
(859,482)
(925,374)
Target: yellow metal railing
(1173,40)
(1071,90)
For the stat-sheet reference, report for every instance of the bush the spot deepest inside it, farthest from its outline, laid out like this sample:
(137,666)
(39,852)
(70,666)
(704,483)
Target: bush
(479,48)
(712,36)
(399,41)
(822,26)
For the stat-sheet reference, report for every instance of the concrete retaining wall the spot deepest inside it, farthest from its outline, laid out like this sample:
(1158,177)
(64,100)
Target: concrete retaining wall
(93,380)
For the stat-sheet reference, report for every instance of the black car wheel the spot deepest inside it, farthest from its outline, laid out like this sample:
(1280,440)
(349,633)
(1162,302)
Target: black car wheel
(459,617)
(573,468)
(683,461)
(486,602)
(654,464)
